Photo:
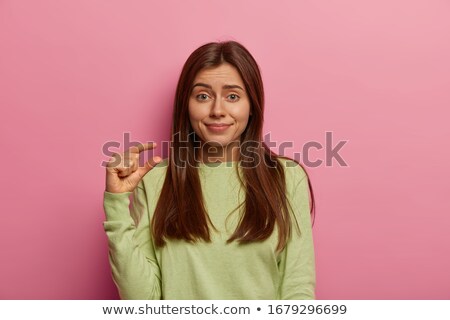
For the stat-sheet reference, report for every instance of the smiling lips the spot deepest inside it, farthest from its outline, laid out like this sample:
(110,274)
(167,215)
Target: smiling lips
(218,127)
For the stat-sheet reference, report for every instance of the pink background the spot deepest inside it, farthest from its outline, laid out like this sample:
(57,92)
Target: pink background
(77,74)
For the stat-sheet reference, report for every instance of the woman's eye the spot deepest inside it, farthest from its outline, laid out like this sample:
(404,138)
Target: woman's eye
(233,97)
(202,96)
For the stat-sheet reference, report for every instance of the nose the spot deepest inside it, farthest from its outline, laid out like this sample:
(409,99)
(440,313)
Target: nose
(217,108)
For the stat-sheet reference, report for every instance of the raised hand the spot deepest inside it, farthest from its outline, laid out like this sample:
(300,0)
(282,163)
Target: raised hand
(123,172)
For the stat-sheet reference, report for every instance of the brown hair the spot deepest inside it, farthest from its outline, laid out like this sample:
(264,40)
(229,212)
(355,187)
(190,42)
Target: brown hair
(180,212)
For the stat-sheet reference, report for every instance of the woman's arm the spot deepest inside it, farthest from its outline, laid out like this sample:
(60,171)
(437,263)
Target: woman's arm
(132,258)
(297,265)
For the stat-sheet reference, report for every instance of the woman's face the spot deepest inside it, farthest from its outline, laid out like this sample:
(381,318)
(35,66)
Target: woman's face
(219,107)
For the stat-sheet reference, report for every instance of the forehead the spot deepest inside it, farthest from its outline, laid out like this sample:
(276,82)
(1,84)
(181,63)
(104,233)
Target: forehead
(225,73)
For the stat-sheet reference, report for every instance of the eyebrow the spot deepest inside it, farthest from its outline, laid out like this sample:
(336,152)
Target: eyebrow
(227,86)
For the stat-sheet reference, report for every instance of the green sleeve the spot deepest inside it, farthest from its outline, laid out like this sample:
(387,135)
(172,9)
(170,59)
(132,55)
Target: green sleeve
(297,265)
(135,270)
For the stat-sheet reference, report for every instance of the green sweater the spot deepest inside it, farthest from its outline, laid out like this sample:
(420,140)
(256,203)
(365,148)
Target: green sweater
(213,270)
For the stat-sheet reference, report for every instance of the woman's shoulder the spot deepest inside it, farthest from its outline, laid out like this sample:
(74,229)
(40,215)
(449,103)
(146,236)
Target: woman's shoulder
(294,171)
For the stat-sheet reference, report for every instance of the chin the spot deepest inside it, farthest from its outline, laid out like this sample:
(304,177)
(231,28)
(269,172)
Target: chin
(218,142)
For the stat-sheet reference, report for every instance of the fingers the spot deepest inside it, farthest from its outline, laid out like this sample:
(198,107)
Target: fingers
(149,165)
(129,166)
(127,162)
(123,171)
(141,147)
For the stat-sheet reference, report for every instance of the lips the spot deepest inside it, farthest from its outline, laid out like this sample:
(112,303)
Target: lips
(218,125)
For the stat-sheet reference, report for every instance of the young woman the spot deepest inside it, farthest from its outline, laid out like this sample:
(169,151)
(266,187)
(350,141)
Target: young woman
(223,217)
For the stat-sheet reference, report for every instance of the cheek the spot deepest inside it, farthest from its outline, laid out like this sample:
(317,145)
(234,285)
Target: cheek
(243,115)
(195,112)
(193,115)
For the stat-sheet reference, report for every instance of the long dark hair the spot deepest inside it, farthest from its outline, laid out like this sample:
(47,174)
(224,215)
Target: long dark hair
(180,212)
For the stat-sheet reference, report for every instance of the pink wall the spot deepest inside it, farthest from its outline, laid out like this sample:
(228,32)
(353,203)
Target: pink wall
(76,74)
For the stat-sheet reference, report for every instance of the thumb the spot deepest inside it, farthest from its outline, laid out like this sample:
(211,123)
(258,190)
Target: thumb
(149,165)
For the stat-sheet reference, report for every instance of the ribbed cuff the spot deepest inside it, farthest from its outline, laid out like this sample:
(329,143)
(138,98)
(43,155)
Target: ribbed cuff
(116,205)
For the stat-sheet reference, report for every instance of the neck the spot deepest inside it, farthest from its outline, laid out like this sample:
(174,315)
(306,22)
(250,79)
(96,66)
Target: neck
(213,153)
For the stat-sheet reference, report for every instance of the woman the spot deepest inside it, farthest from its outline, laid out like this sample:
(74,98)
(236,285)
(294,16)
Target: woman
(222,217)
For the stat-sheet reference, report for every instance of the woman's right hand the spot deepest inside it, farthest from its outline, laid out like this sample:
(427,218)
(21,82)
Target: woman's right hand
(123,172)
